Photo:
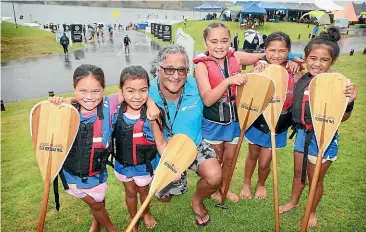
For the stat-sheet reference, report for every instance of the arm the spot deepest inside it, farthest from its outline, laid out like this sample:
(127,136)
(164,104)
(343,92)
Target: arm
(159,137)
(211,96)
(350,92)
(248,58)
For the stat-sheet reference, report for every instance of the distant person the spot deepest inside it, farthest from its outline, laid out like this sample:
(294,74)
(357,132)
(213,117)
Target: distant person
(166,16)
(84,30)
(64,41)
(185,22)
(315,30)
(127,42)
(235,43)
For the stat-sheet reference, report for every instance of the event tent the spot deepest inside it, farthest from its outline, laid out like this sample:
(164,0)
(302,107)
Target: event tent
(207,6)
(253,8)
(347,13)
(322,17)
(328,5)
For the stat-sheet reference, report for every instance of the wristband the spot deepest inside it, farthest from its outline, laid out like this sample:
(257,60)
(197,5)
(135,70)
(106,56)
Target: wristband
(350,107)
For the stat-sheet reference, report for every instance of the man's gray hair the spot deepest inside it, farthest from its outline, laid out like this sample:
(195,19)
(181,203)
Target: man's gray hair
(163,52)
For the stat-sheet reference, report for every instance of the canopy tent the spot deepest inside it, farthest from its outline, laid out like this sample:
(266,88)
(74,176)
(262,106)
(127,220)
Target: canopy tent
(207,6)
(322,17)
(328,5)
(359,8)
(347,13)
(230,12)
(273,6)
(253,8)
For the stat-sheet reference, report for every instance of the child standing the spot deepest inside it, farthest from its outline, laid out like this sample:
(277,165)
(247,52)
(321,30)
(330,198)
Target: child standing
(320,55)
(276,47)
(133,139)
(218,75)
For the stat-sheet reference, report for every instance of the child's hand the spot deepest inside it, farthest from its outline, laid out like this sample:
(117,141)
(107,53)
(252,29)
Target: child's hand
(351,92)
(293,66)
(153,111)
(58,100)
(238,79)
(177,177)
(260,67)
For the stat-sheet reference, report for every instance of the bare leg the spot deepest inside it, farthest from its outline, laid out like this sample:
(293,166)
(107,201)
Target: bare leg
(100,213)
(319,189)
(297,186)
(210,181)
(95,227)
(131,200)
(149,220)
(250,164)
(229,150)
(219,150)
(264,168)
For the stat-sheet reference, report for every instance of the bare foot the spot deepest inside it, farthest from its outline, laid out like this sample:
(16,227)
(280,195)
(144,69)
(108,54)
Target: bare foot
(312,220)
(94,227)
(201,215)
(149,220)
(134,229)
(245,192)
(230,196)
(287,207)
(261,192)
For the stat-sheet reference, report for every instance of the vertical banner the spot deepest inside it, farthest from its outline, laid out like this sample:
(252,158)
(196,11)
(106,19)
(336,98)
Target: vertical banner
(152,25)
(76,32)
(167,33)
(188,43)
(156,30)
(160,32)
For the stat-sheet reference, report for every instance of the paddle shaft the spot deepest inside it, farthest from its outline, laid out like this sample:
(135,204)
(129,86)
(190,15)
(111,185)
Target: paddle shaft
(275,181)
(141,210)
(313,187)
(46,192)
(235,158)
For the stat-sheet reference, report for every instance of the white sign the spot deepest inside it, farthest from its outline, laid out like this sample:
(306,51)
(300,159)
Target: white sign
(341,23)
(188,43)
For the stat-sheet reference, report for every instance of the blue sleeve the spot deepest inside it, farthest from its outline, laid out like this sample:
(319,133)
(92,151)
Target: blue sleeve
(292,55)
(148,131)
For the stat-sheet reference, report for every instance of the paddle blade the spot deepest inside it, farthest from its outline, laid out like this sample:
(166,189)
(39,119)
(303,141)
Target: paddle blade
(60,122)
(279,75)
(253,98)
(179,154)
(327,105)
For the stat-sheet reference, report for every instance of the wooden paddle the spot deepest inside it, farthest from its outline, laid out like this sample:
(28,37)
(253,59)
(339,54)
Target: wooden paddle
(327,106)
(252,99)
(271,114)
(179,154)
(53,130)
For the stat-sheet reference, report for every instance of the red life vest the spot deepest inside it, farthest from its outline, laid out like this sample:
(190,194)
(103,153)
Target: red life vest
(131,148)
(88,155)
(224,111)
(284,121)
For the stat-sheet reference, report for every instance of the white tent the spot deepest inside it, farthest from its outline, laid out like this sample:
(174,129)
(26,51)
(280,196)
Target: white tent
(328,5)
(322,17)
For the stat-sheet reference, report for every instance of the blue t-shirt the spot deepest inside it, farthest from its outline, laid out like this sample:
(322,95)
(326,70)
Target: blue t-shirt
(138,170)
(315,30)
(189,116)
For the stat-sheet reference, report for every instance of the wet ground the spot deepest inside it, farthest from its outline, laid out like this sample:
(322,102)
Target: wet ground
(23,80)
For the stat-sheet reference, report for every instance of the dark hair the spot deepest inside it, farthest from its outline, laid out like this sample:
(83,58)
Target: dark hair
(214,25)
(132,73)
(278,36)
(86,70)
(328,39)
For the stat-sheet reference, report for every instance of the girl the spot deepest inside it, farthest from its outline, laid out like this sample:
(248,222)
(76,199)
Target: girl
(218,74)
(276,47)
(84,172)
(133,136)
(320,54)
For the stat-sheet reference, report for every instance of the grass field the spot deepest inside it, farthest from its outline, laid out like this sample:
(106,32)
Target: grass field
(342,208)
(24,42)
(195,28)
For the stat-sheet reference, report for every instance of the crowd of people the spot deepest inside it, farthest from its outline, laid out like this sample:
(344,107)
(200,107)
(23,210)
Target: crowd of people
(144,114)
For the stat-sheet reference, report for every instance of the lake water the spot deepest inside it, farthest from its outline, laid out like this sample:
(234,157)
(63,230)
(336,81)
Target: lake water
(59,14)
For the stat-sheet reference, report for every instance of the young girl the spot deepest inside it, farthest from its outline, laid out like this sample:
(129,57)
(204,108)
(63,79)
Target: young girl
(84,172)
(276,47)
(218,74)
(320,54)
(133,136)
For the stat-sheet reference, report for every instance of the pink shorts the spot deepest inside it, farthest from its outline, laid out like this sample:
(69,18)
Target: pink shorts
(140,181)
(97,192)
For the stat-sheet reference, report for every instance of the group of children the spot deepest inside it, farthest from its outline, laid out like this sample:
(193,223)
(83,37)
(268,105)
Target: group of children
(130,126)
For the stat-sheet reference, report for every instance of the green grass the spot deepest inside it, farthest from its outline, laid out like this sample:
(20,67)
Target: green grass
(27,42)
(195,28)
(341,209)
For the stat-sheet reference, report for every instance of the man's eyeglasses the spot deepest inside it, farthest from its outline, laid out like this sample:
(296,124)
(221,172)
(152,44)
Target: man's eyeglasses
(171,71)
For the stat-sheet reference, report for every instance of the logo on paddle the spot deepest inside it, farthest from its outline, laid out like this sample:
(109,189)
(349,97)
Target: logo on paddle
(50,147)
(324,118)
(171,167)
(275,100)
(247,107)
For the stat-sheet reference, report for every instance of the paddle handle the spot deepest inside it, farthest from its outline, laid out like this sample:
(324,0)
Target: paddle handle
(46,192)
(141,210)
(235,158)
(275,181)
(314,184)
